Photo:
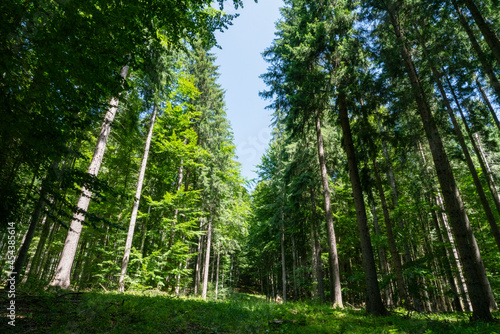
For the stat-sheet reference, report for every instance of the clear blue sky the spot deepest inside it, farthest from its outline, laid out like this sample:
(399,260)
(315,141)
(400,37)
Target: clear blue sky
(241,63)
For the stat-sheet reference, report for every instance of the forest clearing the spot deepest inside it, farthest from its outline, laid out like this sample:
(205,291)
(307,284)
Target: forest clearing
(374,208)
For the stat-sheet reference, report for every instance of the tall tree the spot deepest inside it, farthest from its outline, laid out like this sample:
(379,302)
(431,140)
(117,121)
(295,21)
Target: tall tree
(63,270)
(475,274)
(135,207)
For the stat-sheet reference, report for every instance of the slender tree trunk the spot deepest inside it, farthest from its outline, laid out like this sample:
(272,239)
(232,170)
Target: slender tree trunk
(273,293)
(374,305)
(63,271)
(446,264)
(439,215)
(384,267)
(482,162)
(23,251)
(489,34)
(37,258)
(487,68)
(207,259)
(487,169)
(180,177)
(294,268)
(283,267)
(464,294)
(135,207)
(80,258)
(45,255)
(314,262)
(197,272)
(475,273)
(470,164)
(395,258)
(333,256)
(217,277)
(488,103)
(395,200)
(317,262)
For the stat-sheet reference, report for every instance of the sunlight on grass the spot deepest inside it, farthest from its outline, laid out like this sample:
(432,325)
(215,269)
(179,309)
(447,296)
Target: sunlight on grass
(156,312)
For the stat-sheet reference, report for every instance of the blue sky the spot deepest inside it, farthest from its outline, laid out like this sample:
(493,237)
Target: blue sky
(241,63)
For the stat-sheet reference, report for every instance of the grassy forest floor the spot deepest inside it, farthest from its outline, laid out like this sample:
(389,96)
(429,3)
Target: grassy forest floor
(153,312)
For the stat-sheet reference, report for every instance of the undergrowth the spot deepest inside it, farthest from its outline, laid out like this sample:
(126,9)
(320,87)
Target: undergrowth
(155,312)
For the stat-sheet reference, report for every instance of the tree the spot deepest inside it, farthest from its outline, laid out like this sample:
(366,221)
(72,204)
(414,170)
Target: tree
(469,252)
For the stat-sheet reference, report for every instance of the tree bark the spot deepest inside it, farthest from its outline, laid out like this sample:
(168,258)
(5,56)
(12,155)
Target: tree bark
(37,257)
(333,256)
(488,103)
(384,267)
(474,271)
(489,34)
(283,266)
(487,171)
(316,251)
(23,251)
(446,264)
(294,268)
(395,199)
(439,215)
(63,271)
(458,133)
(395,258)
(217,277)
(135,207)
(484,166)
(207,259)
(374,305)
(197,271)
(487,68)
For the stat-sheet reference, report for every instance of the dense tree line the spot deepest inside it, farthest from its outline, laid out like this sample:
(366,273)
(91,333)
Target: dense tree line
(118,166)
(380,179)
(379,187)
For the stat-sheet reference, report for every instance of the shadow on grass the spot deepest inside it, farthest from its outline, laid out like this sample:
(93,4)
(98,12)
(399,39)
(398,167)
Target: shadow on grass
(94,312)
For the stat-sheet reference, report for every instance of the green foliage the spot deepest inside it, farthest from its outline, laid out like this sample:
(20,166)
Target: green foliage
(147,312)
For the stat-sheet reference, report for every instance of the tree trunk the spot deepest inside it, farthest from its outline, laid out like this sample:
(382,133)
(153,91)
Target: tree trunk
(384,267)
(333,256)
(374,305)
(439,215)
(484,166)
(475,273)
(46,254)
(294,269)
(135,207)
(283,267)
(487,172)
(37,258)
(207,259)
(395,258)
(63,271)
(23,251)
(197,271)
(479,188)
(489,34)
(180,177)
(487,68)
(488,103)
(395,201)
(316,246)
(446,264)
(217,277)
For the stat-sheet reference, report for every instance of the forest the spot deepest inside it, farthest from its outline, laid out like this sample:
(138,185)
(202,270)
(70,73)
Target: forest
(123,207)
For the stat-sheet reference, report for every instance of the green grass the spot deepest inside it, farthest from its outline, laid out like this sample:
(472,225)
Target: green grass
(153,312)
